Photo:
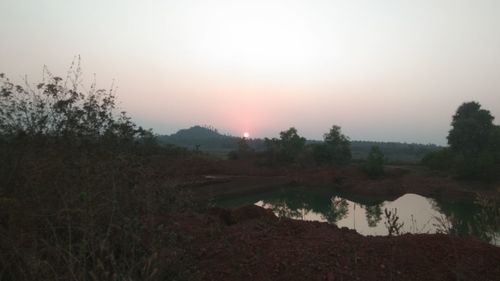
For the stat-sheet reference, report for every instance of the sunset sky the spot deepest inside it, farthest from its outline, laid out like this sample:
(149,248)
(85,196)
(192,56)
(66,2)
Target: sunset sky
(387,70)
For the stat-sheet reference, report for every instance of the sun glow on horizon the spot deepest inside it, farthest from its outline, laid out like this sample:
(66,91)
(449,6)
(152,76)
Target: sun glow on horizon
(246,135)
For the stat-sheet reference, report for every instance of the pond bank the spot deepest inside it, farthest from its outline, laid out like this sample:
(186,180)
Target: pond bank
(250,243)
(349,181)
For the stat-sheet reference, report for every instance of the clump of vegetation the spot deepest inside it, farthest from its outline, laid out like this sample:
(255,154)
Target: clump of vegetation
(392,222)
(292,148)
(374,165)
(244,151)
(439,160)
(78,187)
(335,148)
(474,145)
(488,219)
(286,149)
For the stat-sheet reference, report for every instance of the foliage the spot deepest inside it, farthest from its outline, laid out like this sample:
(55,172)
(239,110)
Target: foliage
(394,152)
(287,148)
(215,143)
(244,150)
(56,111)
(479,218)
(373,214)
(374,165)
(440,160)
(488,219)
(79,186)
(339,208)
(292,148)
(392,222)
(338,145)
(335,148)
(474,141)
(471,129)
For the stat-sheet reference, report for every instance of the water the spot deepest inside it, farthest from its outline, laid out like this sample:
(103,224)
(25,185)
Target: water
(416,214)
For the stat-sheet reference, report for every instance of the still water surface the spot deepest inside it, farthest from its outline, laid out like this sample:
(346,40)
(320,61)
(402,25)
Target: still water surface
(418,214)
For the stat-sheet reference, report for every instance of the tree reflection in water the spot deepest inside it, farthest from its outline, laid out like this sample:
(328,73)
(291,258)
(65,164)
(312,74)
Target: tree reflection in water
(373,214)
(284,209)
(339,208)
(480,218)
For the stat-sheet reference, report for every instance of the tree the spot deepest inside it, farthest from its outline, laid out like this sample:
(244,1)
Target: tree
(336,148)
(338,145)
(473,142)
(471,129)
(287,148)
(374,165)
(292,144)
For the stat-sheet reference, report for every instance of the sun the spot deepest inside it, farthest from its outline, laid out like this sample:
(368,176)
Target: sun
(246,135)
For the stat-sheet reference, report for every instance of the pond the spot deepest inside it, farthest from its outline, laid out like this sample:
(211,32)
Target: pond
(414,213)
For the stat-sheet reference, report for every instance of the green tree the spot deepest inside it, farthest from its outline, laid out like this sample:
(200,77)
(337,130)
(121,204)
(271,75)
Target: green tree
(292,144)
(471,130)
(473,141)
(338,145)
(287,148)
(336,148)
(374,165)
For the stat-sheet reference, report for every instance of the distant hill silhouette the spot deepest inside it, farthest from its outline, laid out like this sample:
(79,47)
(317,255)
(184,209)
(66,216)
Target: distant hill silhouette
(197,133)
(209,140)
(206,137)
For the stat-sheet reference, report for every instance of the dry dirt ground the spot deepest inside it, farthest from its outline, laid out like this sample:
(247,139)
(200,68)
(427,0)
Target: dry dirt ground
(250,243)
(233,178)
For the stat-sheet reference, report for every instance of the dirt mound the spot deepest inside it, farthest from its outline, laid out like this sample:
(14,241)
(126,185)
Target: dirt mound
(258,246)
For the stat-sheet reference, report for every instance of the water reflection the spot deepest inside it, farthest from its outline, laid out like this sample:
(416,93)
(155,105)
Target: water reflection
(419,214)
(338,210)
(480,218)
(373,214)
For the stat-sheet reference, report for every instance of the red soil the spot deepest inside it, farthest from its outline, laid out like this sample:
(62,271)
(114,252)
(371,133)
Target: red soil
(250,243)
(238,177)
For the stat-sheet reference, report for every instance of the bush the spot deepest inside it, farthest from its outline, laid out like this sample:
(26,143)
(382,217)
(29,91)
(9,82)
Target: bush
(440,160)
(57,111)
(78,188)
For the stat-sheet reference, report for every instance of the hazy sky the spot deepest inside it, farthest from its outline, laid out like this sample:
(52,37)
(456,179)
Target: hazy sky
(383,70)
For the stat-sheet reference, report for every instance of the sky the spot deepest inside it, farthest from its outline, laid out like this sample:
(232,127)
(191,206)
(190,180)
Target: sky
(386,70)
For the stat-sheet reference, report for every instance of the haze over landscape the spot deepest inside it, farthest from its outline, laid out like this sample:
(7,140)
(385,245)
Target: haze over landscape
(383,70)
(270,140)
